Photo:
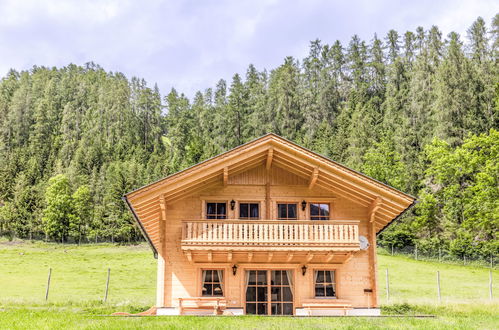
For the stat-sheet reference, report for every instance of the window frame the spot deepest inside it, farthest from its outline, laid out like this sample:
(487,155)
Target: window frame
(334,283)
(238,210)
(217,216)
(297,215)
(202,282)
(320,217)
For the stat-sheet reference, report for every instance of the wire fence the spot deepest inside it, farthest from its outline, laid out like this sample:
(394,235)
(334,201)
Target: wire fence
(440,255)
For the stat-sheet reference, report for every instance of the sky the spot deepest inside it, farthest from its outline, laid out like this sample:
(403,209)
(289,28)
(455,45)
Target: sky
(190,45)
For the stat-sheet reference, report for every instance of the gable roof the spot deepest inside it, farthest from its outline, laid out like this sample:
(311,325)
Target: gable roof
(330,175)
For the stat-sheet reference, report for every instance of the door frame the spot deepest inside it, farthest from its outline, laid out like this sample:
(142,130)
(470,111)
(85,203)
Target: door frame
(268,269)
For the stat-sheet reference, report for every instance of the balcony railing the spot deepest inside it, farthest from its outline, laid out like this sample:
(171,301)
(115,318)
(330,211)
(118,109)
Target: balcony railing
(262,234)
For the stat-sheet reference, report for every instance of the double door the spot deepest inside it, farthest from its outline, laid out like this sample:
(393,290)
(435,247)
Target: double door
(269,292)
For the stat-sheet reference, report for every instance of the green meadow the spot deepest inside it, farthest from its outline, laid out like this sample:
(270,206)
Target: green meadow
(78,284)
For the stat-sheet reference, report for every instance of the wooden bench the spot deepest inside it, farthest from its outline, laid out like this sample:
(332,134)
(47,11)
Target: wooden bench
(327,304)
(201,305)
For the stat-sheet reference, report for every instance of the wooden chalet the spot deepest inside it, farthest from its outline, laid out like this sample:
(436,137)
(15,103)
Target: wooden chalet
(267,228)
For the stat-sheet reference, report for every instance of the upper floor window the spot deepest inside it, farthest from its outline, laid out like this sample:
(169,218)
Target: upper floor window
(249,211)
(287,211)
(216,210)
(212,283)
(319,211)
(325,285)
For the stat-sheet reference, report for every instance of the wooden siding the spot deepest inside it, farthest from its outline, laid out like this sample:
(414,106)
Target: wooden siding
(266,171)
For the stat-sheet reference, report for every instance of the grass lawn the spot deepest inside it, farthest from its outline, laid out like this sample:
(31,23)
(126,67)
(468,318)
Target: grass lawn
(79,277)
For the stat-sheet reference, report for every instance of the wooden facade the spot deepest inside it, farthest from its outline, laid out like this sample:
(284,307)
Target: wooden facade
(267,228)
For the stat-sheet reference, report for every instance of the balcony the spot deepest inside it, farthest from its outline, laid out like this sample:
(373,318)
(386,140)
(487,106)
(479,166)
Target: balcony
(314,239)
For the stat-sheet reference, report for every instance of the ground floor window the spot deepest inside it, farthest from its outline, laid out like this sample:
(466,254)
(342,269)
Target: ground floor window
(269,292)
(212,283)
(325,285)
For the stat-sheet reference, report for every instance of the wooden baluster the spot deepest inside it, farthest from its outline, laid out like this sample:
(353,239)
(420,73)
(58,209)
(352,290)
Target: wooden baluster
(356,234)
(266,233)
(306,232)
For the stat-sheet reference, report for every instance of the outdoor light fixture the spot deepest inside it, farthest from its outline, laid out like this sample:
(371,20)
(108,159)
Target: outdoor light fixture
(234,270)
(304,270)
(232,204)
(303,205)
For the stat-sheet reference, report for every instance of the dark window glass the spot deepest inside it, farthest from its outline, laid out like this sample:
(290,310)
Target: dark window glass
(216,210)
(249,211)
(212,283)
(286,211)
(319,211)
(325,283)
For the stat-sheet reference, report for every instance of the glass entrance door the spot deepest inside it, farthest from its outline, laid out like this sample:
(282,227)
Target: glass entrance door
(269,292)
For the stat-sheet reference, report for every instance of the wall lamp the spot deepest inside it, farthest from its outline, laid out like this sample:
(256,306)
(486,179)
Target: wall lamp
(303,205)
(304,270)
(232,204)
(234,269)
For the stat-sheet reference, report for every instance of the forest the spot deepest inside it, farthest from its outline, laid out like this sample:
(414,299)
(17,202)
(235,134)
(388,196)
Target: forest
(418,111)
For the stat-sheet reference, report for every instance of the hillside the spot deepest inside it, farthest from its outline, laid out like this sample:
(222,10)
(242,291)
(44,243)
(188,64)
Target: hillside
(79,277)
(417,110)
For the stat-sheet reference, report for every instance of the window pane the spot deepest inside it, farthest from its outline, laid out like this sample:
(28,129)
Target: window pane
(215,276)
(320,276)
(208,277)
(284,278)
(314,209)
(319,290)
(282,212)
(315,218)
(207,290)
(262,278)
(251,309)
(287,309)
(287,295)
(276,277)
(217,290)
(292,211)
(324,209)
(243,210)
(251,294)
(329,290)
(252,277)
(328,277)
(254,211)
(221,209)
(262,309)
(276,309)
(275,293)
(210,208)
(261,293)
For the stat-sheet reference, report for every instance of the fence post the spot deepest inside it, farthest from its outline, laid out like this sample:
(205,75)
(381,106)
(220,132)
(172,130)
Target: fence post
(392,249)
(464,260)
(387,286)
(416,252)
(438,287)
(490,284)
(107,283)
(48,285)
(491,262)
(439,255)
